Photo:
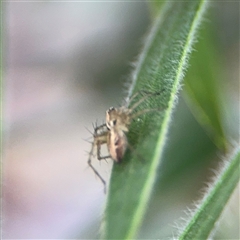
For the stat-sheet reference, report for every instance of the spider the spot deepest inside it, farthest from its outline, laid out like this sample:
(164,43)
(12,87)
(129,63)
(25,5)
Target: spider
(113,131)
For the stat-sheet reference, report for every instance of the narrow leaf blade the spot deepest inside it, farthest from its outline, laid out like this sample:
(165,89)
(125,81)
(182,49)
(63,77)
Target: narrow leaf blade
(160,69)
(208,212)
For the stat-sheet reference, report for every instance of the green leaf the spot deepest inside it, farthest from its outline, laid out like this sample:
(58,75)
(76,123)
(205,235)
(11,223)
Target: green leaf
(160,69)
(203,88)
(155,7)
(185,158)
(208,212)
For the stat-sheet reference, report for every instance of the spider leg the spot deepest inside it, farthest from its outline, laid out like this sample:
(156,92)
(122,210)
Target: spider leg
(99,157)
(136,94)
(99,139)
(97,173)
(137,114)
(139,102)
(95,170)
(147,94)
(129,99)
(96,129)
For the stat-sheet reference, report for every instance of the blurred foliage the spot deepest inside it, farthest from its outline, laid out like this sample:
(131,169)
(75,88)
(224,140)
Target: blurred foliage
(155,7)
(204,87)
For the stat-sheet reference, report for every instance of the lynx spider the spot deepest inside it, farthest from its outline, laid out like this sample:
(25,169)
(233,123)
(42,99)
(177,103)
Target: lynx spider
(113,131)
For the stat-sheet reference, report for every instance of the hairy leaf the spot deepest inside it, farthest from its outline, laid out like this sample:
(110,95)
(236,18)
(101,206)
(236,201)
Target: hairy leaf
(160,69)
(208,212)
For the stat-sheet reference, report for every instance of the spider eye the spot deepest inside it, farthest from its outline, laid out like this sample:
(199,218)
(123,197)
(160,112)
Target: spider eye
(110,109)
(113,123)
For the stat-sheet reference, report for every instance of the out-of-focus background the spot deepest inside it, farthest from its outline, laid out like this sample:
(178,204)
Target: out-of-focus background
(65,64)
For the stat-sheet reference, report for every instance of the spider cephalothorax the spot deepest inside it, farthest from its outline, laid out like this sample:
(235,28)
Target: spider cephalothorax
(118,119)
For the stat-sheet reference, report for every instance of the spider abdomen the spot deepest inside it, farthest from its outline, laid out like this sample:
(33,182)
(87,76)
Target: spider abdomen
(117,145)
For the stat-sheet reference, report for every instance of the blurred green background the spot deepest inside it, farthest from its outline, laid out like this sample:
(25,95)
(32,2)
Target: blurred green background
(66,63)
